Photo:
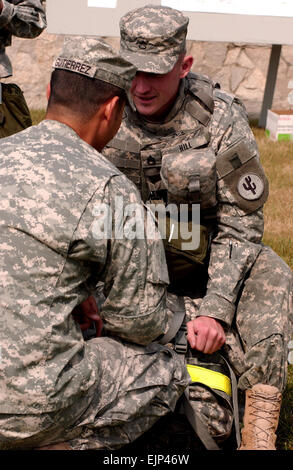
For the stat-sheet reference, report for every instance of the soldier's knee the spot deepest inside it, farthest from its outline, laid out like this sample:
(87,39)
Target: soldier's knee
(267,363)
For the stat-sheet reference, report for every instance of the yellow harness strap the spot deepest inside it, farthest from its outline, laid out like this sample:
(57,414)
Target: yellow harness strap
(210,378)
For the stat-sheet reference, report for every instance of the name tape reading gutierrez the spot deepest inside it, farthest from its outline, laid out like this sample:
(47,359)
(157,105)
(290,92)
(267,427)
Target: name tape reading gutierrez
(74,66)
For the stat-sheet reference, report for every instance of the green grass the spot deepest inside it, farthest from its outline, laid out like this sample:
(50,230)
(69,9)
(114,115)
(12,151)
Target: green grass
(37,115)
(277,160)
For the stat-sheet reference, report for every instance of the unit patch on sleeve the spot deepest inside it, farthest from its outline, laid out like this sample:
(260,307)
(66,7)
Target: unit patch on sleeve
(250,186)
(241,176)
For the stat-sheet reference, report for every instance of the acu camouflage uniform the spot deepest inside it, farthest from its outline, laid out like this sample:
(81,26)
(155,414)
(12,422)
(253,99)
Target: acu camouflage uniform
(24,19)
(204,152)
(54,386)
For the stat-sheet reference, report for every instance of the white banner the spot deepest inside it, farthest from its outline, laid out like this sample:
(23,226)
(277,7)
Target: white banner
(249,21)
(102,3)
(236,7)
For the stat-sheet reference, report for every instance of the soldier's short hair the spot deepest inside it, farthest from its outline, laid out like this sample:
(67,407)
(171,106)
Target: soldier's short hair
(86,73)
(82,95)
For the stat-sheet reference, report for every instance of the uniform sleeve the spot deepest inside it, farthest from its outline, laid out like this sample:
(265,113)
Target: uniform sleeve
(25,19)
(241,191)
(127,254)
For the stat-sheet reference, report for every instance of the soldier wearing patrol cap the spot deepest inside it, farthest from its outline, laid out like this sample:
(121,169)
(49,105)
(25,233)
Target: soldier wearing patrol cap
(56,390)
(187,141)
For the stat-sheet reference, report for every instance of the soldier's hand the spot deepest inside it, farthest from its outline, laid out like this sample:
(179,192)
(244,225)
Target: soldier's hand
(1,6)
(86,313)
(205,334)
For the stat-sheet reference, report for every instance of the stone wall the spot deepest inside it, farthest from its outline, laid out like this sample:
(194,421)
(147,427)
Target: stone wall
(240,69)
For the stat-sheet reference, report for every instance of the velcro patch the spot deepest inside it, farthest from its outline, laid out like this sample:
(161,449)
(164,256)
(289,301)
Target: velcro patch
(242,178)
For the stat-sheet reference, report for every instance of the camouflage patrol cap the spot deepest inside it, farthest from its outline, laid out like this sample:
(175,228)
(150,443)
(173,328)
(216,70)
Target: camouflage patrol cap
(152,37)
(95,58)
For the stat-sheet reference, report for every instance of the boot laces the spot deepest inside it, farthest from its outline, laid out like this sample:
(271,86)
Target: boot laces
(269,416)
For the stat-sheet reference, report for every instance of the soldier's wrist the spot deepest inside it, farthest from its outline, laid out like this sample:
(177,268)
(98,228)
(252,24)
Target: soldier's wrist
(221,321)
(217,307)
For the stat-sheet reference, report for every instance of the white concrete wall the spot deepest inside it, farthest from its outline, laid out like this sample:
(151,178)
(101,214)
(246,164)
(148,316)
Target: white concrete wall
(239,68)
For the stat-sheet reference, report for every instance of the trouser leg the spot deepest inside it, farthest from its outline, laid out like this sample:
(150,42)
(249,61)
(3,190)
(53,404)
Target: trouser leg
(151,381)
(264,321)
(137,387)
(257,344)
(257,348)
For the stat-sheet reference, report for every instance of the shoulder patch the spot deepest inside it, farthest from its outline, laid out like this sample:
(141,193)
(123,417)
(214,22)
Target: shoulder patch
(242,177)
(250,186)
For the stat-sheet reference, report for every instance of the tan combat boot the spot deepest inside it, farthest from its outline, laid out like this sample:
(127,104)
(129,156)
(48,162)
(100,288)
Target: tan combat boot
(261,416)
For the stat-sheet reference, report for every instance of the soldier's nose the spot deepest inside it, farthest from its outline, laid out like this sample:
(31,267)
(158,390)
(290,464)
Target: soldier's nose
(141,84)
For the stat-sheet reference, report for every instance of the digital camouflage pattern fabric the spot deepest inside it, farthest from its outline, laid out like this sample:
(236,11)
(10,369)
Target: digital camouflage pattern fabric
(95,58)
(21,18)
(207,133)
(203,152)
(50,260)
(152,37)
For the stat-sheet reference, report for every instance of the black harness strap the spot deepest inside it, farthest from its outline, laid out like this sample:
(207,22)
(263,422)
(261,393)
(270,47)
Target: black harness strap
(174,328)
(234,389)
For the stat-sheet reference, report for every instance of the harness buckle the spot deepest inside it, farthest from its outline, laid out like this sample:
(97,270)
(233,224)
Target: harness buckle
(181,345)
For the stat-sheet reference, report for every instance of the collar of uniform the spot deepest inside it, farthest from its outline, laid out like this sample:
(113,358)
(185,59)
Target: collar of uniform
(61,129)
(58,127)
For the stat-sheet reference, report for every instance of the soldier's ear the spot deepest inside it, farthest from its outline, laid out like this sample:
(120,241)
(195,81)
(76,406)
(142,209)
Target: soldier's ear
(186,65)
(108,119)
(110,107)
(48,91)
